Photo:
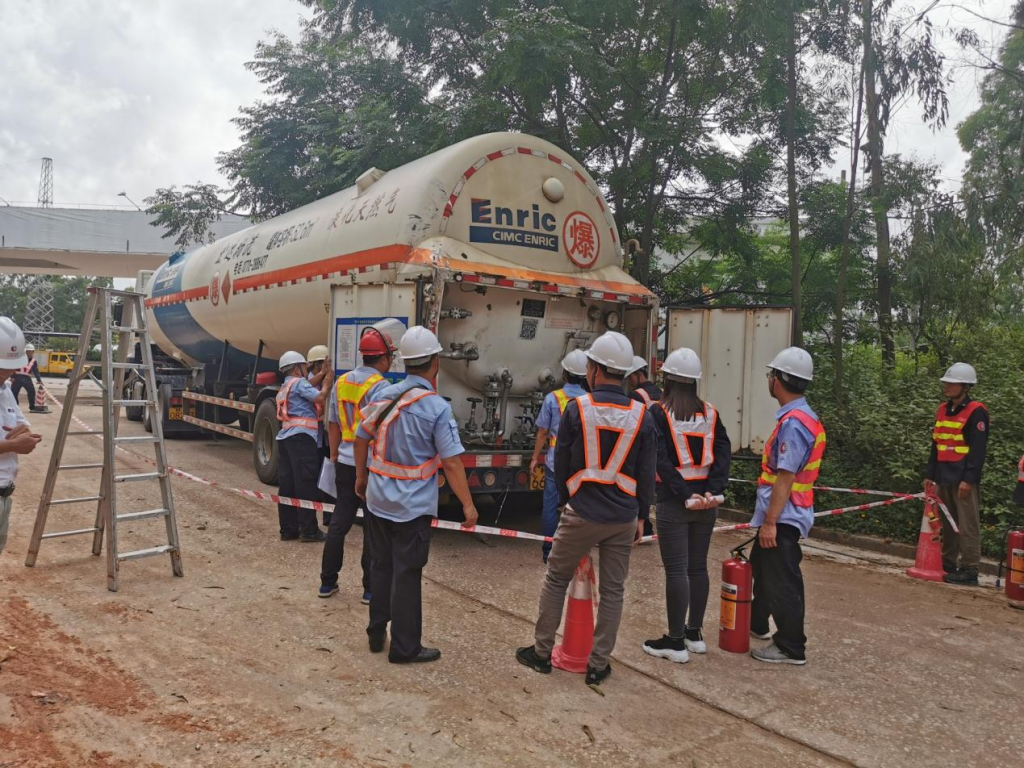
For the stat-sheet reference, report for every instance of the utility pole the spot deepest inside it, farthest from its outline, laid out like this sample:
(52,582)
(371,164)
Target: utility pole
(46,183)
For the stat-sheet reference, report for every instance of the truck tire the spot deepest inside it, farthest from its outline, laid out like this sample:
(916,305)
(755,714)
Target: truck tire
(264,442)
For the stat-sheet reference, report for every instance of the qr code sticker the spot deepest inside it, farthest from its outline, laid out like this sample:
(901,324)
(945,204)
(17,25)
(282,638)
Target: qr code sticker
(529,330)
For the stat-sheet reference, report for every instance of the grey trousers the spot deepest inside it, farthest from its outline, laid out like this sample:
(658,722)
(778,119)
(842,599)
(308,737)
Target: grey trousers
(5,520)
(574,538)
(966,512)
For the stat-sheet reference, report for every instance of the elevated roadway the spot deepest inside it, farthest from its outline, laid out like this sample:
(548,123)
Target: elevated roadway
(89,242)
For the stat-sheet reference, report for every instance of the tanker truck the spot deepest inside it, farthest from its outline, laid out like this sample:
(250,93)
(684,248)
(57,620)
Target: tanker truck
(502,244)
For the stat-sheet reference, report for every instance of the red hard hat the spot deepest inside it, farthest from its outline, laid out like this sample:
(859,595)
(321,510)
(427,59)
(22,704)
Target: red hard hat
(373,343)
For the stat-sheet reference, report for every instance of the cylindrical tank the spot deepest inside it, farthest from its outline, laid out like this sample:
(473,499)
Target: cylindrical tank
(1015,567)
(510,199)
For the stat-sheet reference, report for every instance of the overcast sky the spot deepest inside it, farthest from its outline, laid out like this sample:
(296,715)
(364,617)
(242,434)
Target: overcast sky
(131,95)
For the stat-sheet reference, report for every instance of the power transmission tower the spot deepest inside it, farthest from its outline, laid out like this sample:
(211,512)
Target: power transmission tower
(46,183)
(39,309)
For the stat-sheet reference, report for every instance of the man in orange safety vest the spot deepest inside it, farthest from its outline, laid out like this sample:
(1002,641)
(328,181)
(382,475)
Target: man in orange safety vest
(959,441)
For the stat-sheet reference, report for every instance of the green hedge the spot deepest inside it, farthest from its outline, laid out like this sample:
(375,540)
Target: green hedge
(880,436)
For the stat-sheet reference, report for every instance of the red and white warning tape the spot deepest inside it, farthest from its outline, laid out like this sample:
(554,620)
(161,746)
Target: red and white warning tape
(865,492)
(830,512)
(316,506)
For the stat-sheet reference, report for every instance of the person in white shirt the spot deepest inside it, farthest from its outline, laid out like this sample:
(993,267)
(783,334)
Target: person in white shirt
(15,436)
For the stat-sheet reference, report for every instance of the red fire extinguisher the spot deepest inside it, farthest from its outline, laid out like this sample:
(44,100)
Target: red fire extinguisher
(1015,567)
(737,591)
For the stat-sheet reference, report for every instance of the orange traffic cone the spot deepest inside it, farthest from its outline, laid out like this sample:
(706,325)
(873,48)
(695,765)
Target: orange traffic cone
(578,641)
(40,404)
(928,563)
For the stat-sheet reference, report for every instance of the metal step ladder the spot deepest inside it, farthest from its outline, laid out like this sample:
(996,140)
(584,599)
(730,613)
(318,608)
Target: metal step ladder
(100,319)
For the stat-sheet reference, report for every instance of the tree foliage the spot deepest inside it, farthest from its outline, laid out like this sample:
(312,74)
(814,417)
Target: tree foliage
(70,296)
(994,178)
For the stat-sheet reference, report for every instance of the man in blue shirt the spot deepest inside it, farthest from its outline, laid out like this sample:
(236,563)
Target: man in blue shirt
(352,393)
(574,374)
(413,434)
(299,405)
(785,511)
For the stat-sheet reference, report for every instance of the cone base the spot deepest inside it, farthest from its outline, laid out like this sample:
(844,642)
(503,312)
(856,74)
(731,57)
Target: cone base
(561,659)
(928,564)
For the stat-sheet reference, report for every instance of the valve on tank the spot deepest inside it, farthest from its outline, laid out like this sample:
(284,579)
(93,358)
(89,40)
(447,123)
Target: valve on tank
(455,313)
(461,351)
(471,425)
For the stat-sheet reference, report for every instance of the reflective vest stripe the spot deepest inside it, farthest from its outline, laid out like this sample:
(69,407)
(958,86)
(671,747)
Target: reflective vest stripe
(350,398)
(802,492)
(948,433)
(287,420)
(563,401)
(379,465)
(648,400)
(700,425)
(594,417)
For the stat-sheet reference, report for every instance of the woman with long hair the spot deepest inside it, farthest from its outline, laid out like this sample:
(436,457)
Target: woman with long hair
(693,467)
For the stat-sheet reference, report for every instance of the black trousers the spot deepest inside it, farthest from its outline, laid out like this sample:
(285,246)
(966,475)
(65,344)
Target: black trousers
(399,552)
(298,467)
(24,382)
(779,591)
(346,504)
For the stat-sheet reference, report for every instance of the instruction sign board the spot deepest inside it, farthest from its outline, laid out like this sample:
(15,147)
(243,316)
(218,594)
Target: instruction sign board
(347,333)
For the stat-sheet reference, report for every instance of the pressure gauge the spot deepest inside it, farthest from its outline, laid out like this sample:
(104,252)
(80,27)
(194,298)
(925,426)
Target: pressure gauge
(611,321)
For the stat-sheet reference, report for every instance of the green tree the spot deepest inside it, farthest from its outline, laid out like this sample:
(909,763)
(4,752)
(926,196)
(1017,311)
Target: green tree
(899,58)
(70,295)
(188,214)
(994,178)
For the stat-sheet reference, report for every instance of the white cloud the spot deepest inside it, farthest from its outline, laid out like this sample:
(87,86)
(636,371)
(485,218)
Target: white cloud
(125,95)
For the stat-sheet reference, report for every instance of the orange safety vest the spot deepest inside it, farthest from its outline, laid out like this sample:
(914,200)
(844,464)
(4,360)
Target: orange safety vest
(563,400)
(802,493)
(948,433)
(700,425)
(283,416)
(350,398)
(594,417)
(648,400)
(379,464)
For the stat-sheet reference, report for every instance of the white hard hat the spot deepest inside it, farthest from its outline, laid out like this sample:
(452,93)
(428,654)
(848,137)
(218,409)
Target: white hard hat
(317,353)
(418,342)
(613,351)
(794,361)
(682,363)
(288,359)
(30,347)
(960,373)
(638,363)
(575,363)
(12,345)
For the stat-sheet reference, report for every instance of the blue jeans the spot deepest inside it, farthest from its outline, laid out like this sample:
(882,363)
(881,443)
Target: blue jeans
(549,516)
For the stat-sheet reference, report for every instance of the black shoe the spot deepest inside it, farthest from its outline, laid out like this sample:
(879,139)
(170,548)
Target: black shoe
(289,536)
(427,654)
(671,648)
(529,657)
(376,643)
(948,567)
(314,537)
(597,676)
(964,577)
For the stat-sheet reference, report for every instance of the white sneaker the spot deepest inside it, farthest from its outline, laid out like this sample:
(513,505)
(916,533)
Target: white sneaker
(695,641)
(774,655)
(667,648)
(765,636)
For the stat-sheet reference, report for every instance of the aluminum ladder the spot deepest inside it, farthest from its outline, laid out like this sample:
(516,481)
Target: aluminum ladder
(100,319)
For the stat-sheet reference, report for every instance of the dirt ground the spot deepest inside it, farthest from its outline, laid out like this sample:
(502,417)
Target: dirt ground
(239,662)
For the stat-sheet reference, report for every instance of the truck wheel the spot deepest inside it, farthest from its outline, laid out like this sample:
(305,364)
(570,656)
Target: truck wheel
(147,423)
(264,442)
